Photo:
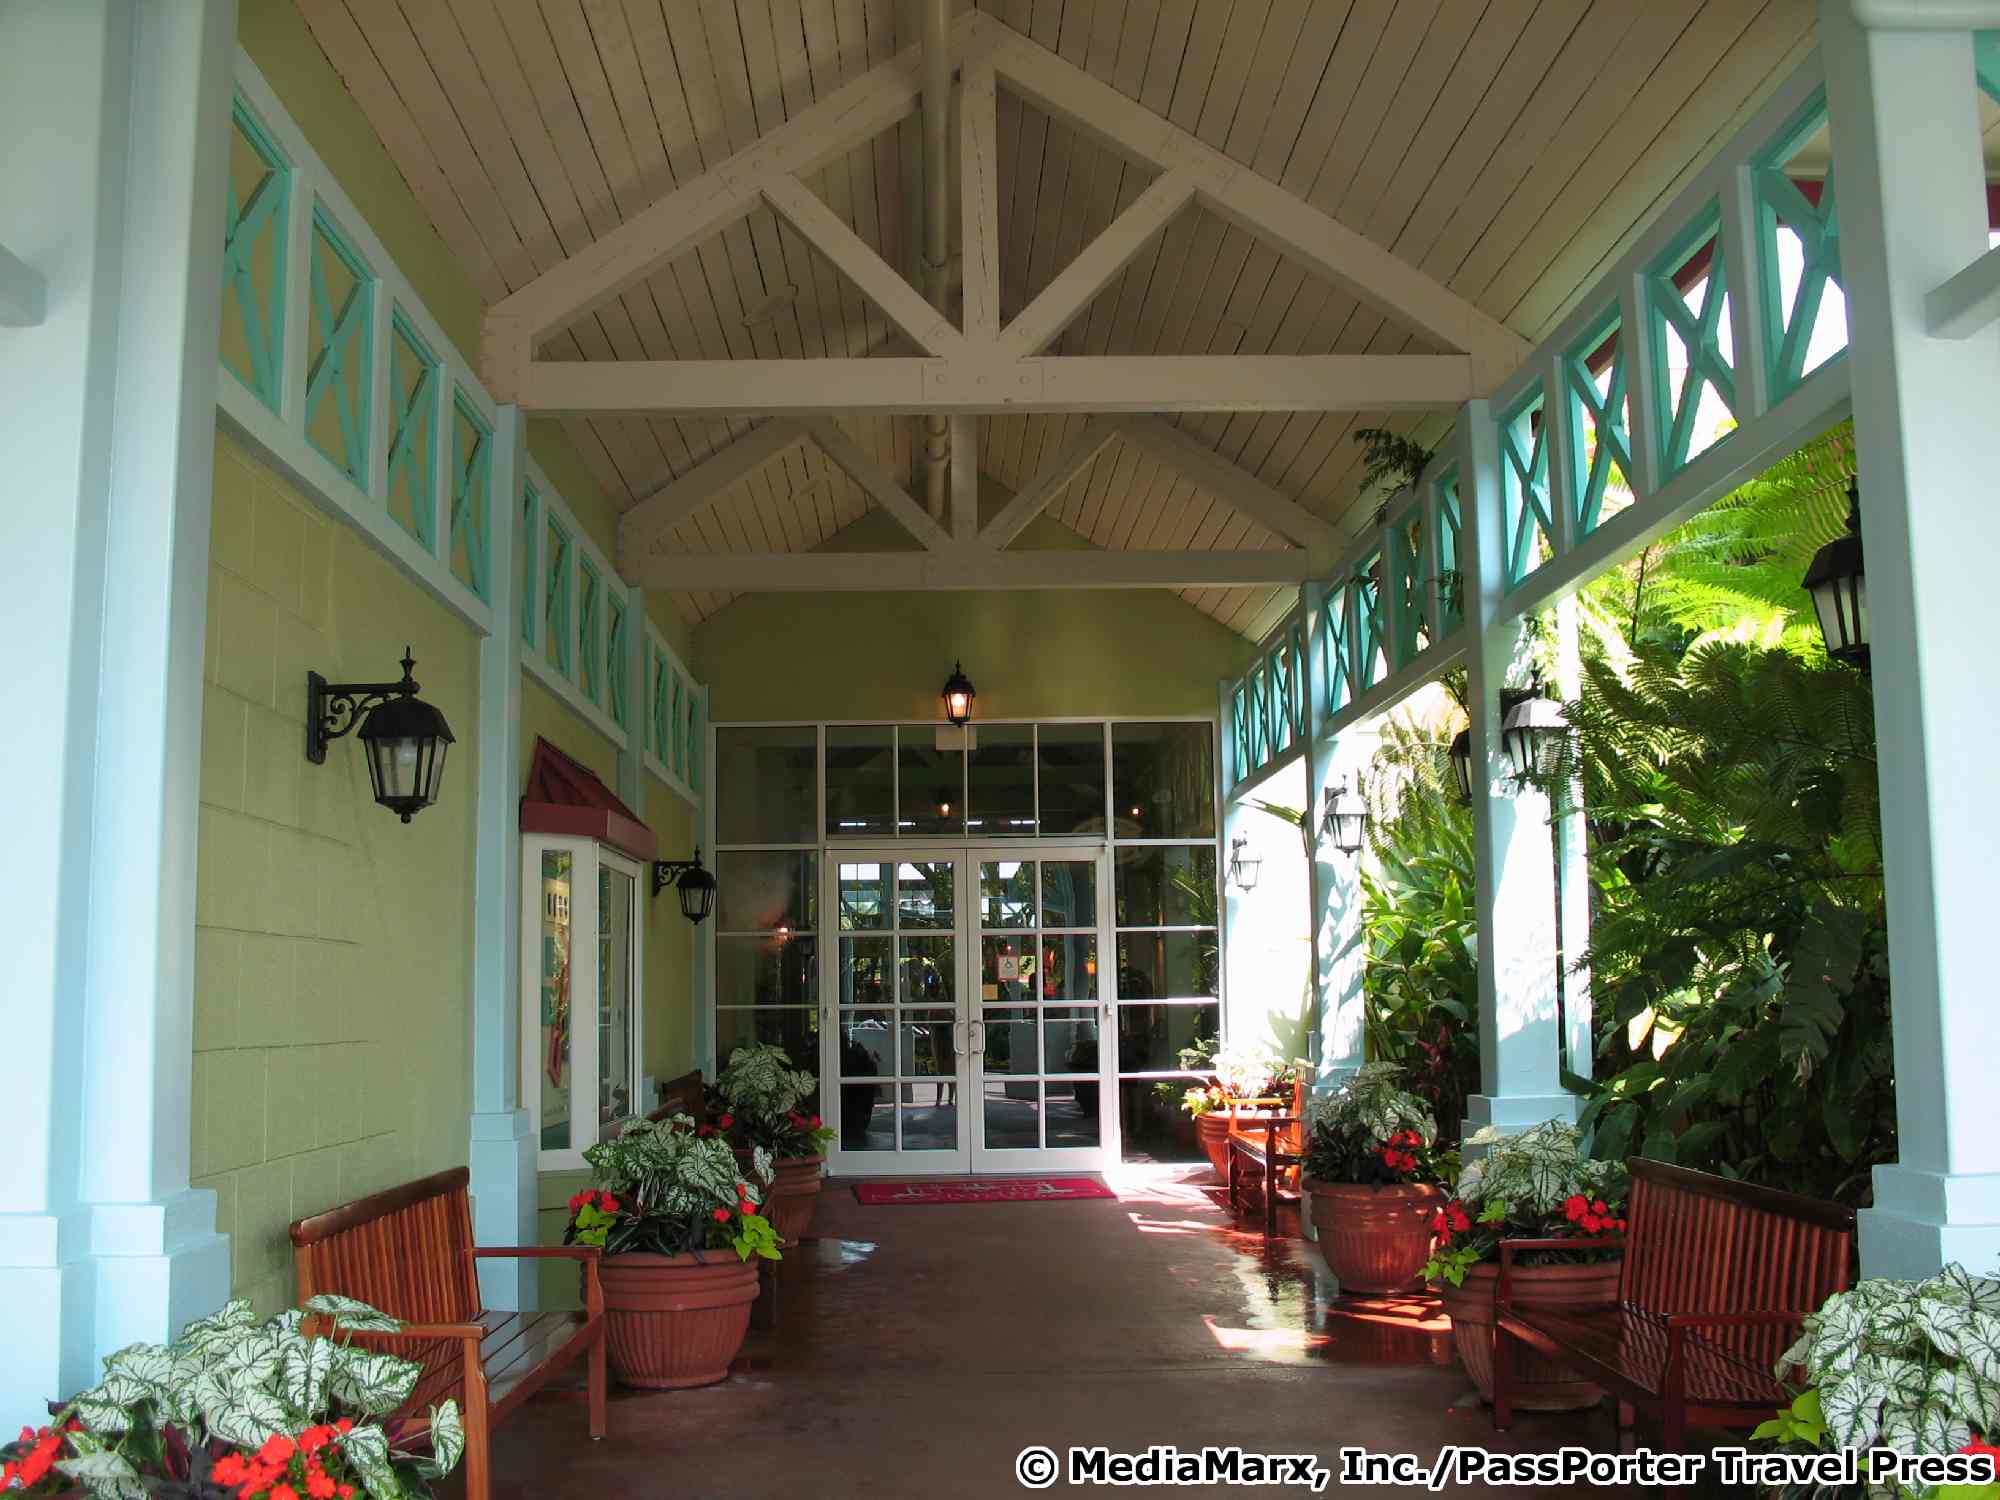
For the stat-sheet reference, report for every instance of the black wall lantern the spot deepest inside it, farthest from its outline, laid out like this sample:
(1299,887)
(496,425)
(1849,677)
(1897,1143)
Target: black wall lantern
(1243,866)
(1839,589)
(695,885)
(1528,723)
(958,694)
(1346,828)
(403,737)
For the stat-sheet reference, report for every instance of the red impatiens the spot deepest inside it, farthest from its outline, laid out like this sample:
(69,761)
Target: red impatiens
(721,1216)
(278,1469)
(1592,1215)
(1451,1219)
(34,1465)
(593,1198)
(1399,1152)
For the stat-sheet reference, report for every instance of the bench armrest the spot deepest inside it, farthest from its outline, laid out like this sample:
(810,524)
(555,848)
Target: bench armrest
(1731,1320)
(1561,1242)
(589,1255)
(472,1332)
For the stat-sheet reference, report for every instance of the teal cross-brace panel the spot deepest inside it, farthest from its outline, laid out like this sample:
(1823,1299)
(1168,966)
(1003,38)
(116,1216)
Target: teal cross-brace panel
(1336,681)
(556,597)
(659,705)
(694,734)
(254,228)
(413,390)
(1700,335)
(614,660)
(1524,485)
(1447,597)
(530,533)
(677,726)
(589,632)
(1783,205)
(1600,429)
(471,486)
(1407,620)
(1364,599)
(338,365)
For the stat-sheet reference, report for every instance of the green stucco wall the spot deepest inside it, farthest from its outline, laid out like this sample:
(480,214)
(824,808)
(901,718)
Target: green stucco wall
(333,942)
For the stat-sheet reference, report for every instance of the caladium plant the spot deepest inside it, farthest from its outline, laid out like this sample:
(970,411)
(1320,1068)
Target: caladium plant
(239,1407)
(1371,1129)
(1909,1365)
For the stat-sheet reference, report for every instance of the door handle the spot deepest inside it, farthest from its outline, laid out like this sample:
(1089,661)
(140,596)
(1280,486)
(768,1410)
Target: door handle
(977,1043)
(958,1047)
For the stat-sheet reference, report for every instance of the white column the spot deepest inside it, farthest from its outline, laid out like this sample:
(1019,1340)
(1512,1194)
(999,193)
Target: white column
(120,114)
(1913,213)
(1572,835)
(503,1146)
(1519,1029)
(1339,950)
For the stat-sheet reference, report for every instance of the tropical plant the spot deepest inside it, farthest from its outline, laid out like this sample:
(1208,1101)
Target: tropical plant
(1537,1184)
(238,1407)
(1390,459)
(667,1188)
(763,1094)
(1908,1365)
(1242,1073)
(1371,1130)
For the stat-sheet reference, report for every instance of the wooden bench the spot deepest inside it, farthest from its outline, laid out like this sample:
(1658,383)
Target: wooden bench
(1268,1135)
(1716,1277)
(681,1096)
(409,1252)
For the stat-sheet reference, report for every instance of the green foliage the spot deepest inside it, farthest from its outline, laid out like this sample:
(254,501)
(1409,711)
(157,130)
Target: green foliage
(765,1096)
(1389,459)
(1537,1184)
(677,1189)
(1365,1129)
(166,1417)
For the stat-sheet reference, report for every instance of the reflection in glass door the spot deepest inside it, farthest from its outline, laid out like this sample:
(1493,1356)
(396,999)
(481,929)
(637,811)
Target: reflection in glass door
(964,1010)
(897,1037)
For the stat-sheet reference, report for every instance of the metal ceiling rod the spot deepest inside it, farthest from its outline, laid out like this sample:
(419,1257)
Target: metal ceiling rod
(937,233)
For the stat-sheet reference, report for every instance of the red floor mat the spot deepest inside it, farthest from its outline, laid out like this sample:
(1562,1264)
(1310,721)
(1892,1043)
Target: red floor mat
(981,1190)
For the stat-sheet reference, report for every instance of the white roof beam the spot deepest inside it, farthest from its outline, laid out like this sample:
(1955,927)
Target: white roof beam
(654,517)
(1236,487)
(964,568)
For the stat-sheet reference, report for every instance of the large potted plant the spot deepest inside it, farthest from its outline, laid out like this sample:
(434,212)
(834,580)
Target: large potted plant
(1240,1073)
(1535,1185)
(679,1227)
(1370,1173)
(235,1409)
(762,1098)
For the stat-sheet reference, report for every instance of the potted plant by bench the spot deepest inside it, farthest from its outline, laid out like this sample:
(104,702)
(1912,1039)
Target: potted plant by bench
(763,1109)
(1241,1074)
(1535,1185)
(289,1405)
(679,1227)
(1370,1177)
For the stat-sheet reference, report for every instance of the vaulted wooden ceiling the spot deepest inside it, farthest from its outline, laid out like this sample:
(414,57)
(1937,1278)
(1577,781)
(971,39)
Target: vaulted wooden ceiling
(1505,147)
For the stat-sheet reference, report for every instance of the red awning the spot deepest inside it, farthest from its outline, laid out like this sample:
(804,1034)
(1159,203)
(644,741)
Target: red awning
(566,798)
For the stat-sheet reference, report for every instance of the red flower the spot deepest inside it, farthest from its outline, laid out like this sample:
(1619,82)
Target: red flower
(1438,1225)
(577,1200)
(229,1469)
(319,1483)
(1460,1220)
(344,1426)
(345,1492)
(1599,1209)
(1980,1445)
(607,1203)
(277,1449)
(1591,1223)
(704,1130)
(315,1438)
(1575,1207)
(284,1492)
(725,1121)
(722,1216)
(814,1122)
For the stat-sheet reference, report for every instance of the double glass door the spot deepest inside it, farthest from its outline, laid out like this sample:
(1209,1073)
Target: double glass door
(964,1025)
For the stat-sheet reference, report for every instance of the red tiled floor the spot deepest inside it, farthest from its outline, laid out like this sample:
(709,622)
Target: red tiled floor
(918,1350)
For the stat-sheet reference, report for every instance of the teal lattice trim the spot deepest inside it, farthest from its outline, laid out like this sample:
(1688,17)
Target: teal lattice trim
(1700,335)
(1336,670)
(589,632)
(615,673)
(412,366)
(338,364)
(531,512)
(555,598)
(471,495)
(1524,485)
(1788,334)
(1600,427)
(1446,595)
(251,227)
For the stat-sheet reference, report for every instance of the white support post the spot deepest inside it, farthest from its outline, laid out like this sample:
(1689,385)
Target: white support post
(1906,145)
(102,1241)
(1572,834)
(632,751)
(1339,944)
(1519,1036)
(503,1154)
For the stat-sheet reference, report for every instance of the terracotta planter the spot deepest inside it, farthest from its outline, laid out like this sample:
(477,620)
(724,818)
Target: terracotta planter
(672,1320)
(1375,1239)
(791,1199)
(1541,1383)
(1212,1130)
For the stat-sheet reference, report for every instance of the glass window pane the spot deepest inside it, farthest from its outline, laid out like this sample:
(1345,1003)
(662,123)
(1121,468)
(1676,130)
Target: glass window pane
(772,970)
(927,1049)
(1070,1039)
(1069,893)
(765,890)
(767,785)
(1070,761)
(1006,970)
(1163,780)
(1165,886)
(1000,777)
(616,1076)
(1150,1037)
(1010,1042)
(1166,965)
(930,1116)
(862,890)
(557,874)
(931,787)
(865,1044)
(867,1118)
(860,781)
(1013,1117)
(1153,1124)
(1071,1114)
(1069,967)
(864,972)
(797,1031)
(1007,893)
(928,971)
(926,894)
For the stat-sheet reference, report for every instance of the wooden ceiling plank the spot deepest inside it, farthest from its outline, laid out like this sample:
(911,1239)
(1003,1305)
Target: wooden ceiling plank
(924,325)
(964,478)
(1292,103)
(964,569)
(643,526)
(979,204)
(862,468)
(1224,480)
(1043,320)
(1030,500)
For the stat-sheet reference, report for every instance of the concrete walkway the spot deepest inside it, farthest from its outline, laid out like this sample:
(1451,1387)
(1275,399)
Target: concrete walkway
(920,1349)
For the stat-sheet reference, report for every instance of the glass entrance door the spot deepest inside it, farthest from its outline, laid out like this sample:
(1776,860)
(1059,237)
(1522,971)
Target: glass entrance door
(964,1020)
